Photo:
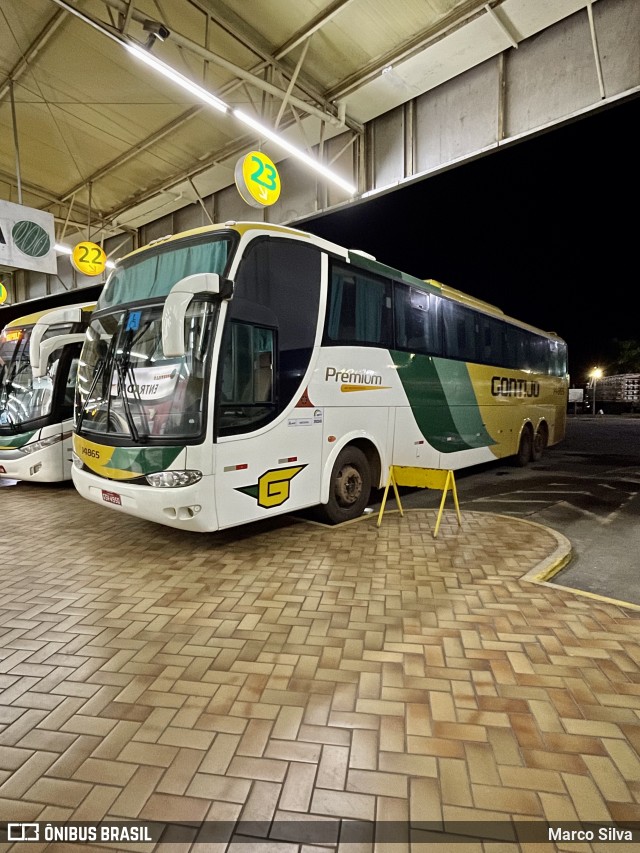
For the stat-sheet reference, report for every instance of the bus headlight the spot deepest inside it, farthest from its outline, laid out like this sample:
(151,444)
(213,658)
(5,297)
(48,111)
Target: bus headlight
(77,462)
(173,479)
(39,445)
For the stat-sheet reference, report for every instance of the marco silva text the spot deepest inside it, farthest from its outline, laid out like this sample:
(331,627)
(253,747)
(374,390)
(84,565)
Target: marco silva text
(598,833)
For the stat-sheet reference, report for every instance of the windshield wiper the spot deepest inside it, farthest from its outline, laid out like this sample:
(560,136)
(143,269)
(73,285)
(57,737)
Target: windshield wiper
(99,370)
(6,418)
(7,422)
(122,385)
(123,366)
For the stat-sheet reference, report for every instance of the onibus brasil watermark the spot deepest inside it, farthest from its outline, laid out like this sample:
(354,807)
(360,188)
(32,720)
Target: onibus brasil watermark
(288,827)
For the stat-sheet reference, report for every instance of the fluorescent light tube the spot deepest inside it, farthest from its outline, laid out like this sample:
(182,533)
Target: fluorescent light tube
(296,152)
(176,77)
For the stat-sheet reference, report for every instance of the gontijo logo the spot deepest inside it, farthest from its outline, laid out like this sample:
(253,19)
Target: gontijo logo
(273,487)
(505,386)
(355,380)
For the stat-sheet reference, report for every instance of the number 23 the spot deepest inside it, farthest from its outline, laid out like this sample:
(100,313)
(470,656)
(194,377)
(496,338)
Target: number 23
(269,181)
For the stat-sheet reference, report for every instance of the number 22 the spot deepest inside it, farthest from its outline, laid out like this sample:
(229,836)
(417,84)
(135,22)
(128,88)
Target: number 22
(84,256)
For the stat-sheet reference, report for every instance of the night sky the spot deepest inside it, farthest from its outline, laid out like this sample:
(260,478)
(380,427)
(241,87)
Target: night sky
(546,229)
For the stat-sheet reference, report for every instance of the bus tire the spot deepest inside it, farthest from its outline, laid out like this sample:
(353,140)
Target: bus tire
(525,448)
(540,441)
(350,486)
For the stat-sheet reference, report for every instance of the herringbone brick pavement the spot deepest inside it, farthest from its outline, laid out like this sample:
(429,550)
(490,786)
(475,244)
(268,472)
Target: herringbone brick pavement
(289,672)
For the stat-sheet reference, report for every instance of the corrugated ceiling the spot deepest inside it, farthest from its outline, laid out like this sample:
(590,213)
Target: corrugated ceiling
(100,135)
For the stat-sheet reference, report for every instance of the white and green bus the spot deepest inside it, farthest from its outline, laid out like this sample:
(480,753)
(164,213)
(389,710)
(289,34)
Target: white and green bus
(243,370)
(39,356)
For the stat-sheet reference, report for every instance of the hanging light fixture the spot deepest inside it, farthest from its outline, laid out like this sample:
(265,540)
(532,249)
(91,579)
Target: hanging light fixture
(160,32)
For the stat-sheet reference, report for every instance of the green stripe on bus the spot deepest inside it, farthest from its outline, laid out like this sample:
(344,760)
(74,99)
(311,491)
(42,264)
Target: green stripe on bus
(443,402)
(147,460)
(16,441)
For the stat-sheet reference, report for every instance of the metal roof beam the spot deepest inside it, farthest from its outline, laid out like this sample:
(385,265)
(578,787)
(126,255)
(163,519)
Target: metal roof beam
(233,149)
(292,82)
(457,18)
(316,24)
(502,26)
(236,70)
(133,152)
(238,29)
(34,189)
(129,12)
(49,197)
(32,51)
(250,39)
(177,122)
(150,140)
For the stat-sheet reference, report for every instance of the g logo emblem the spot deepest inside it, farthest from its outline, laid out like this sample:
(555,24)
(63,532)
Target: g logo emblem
(273,487)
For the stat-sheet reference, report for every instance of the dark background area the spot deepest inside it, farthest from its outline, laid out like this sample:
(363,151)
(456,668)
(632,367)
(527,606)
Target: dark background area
(547,229)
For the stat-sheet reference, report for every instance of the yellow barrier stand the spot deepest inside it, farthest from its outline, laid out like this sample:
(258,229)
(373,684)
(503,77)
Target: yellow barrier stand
(390,482)
(423,478)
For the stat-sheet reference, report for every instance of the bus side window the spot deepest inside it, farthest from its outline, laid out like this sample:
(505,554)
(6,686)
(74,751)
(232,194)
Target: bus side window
(263,376)
(417,323)
(490,340)
(70,387)
(460,333)
(359,308)
(341,324)
(540,356)
(247,386)
(557,358)
(510,342)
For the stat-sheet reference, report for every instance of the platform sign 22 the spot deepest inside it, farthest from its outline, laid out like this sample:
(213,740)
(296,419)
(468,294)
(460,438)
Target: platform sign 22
(257,179)
(89,258)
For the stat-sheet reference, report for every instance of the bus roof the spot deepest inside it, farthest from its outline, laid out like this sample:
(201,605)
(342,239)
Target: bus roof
(13,310)
(230,225)
(355,256)
(32,319)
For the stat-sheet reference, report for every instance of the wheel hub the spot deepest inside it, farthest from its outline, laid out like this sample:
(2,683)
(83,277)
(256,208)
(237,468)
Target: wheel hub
(348,485)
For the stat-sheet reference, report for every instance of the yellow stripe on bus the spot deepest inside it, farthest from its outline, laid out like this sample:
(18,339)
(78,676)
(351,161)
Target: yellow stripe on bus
(97,458)
(348,388)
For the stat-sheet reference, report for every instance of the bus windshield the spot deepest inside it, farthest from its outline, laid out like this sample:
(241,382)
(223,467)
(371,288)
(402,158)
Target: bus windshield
(126,386)
(154,273)
(24,399)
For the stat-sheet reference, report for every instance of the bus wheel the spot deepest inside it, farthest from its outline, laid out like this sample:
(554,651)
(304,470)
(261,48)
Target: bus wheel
(350,486)
(525,448)
(540,440)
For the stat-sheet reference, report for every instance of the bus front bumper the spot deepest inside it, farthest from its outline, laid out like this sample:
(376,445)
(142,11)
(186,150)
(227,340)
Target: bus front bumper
(42,466)
(185,508)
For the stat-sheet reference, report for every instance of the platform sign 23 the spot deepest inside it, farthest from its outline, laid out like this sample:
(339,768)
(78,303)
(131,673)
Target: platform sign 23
(257,179)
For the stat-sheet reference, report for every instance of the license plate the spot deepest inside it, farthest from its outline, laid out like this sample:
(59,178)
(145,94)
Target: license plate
(111,497)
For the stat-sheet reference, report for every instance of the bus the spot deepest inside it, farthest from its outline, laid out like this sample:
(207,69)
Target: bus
(10,311)
(242,370)
(39,356)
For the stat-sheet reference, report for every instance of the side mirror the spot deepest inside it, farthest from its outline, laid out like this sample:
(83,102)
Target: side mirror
(70,314)
(177,302)
(39,366)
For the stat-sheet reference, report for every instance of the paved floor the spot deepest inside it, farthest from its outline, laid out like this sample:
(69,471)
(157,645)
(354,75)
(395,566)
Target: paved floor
(296,675)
